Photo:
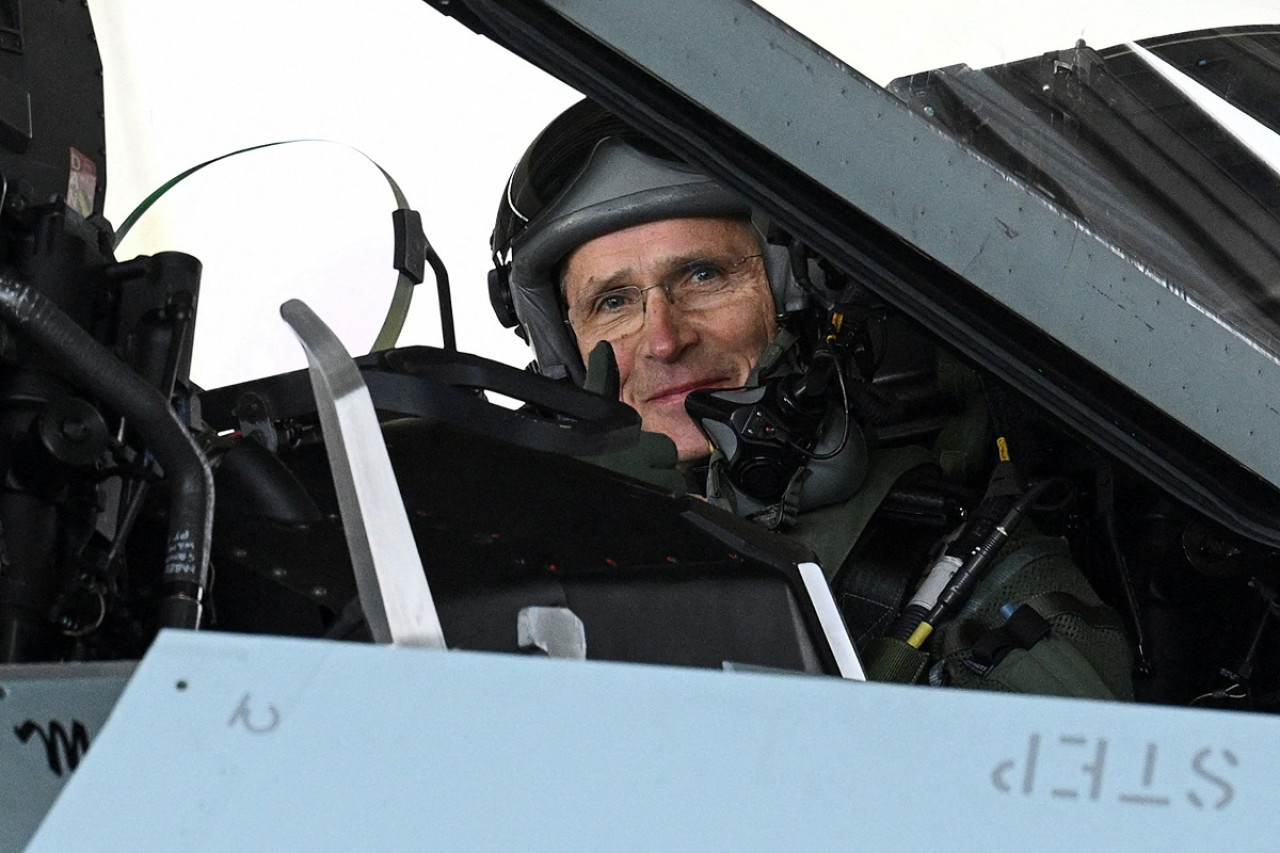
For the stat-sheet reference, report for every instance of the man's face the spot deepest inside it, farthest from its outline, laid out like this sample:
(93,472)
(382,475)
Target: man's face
(676,350)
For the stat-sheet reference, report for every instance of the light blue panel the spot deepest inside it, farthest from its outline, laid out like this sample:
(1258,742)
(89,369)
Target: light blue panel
(223,742)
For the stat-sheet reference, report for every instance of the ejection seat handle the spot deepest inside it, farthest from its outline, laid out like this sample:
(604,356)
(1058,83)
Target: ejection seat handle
(393,589)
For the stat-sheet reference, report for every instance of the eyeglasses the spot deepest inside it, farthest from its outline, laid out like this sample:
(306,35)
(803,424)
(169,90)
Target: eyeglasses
(697,286)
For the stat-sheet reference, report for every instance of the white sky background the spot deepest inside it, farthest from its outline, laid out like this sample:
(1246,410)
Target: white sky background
(447,113)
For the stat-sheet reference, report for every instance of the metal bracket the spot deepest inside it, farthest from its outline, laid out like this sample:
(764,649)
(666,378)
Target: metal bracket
(393,589)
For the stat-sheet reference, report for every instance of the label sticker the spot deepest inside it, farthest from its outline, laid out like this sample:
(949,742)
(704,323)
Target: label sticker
(82,183)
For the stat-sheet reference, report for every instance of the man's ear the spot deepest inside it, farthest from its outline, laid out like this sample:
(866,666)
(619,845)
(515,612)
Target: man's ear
(602,372)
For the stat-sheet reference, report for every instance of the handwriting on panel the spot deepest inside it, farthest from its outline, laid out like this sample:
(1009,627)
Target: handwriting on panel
(258,721)
(62,748)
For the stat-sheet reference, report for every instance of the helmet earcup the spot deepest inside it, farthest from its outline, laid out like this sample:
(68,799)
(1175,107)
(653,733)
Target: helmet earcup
(500,296)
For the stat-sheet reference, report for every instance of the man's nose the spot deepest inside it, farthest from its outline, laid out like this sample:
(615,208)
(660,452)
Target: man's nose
(664,290)
(667,331)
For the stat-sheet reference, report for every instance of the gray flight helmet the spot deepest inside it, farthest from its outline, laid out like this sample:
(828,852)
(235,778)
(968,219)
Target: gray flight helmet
(617,179)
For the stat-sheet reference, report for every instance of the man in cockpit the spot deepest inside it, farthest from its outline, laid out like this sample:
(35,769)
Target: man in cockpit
(604,237)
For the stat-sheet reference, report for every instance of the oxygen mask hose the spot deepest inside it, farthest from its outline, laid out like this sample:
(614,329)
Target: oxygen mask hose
(804,397)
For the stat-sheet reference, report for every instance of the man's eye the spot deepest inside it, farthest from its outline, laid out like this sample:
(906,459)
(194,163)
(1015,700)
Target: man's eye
(613,302)
(703,272)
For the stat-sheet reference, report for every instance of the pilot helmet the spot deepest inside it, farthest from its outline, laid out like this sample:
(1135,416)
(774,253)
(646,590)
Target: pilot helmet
(586,175)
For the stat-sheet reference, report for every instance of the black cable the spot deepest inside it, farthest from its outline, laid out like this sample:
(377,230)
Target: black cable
(444,298)
(964,579)
(813,455)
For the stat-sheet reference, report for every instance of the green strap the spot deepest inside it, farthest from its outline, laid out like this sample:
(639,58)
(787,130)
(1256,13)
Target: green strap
(393,324)
(1052,667)
(1056,603)
(782,515)
(887,659)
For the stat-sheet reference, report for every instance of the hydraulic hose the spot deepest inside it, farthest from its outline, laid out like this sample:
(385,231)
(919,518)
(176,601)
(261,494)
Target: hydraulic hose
(190,478)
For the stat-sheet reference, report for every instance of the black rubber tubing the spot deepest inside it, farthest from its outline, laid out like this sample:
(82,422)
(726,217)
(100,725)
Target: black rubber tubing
(190,479)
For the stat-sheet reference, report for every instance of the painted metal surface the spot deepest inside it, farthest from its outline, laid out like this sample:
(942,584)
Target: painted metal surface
(833,627)
(394,594)
(232,742)
(810,108)
(50,714)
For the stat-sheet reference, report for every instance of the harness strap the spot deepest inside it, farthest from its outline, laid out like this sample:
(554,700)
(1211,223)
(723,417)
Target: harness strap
(1058,603)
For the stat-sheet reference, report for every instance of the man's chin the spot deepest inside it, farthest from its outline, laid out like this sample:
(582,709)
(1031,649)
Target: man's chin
(692,455)
(690,442)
